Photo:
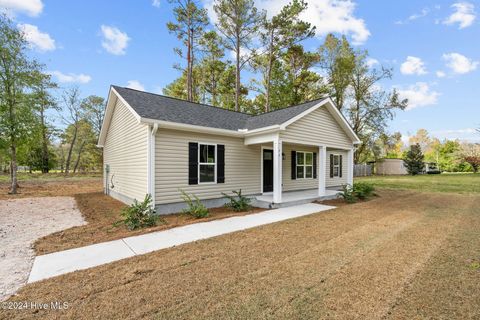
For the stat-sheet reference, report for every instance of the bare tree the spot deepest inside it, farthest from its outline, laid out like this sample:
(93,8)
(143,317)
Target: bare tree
(71,116)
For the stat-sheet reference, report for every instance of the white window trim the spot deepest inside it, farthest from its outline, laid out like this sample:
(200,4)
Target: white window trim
(336,165)
(304,165)
(206,163)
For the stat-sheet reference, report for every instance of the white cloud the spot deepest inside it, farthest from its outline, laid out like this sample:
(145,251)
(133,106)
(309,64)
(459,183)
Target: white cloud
(135,84)
(441,74)
(413,65)
(464,134)
(464,15)
(329,16)
(459,63)
(30,7)
(419,95)
(419,15)
(38,40)
(156,3)
(71,77)
(114,40)
(372,62)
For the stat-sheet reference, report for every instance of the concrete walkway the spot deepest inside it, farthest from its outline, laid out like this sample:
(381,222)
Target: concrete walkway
(61,262)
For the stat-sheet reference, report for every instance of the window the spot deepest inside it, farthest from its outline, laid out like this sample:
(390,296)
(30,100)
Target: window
(304,165)
(207,162)
(336,165)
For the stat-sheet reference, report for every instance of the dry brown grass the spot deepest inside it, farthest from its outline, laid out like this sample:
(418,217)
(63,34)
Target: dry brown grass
(52,187)
(404,255)
(102,212)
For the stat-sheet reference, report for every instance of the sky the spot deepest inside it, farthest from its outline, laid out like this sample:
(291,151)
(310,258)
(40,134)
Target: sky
(432,46)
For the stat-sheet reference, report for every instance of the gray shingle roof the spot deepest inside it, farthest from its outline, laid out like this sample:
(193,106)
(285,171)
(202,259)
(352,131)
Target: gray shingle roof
(158,107)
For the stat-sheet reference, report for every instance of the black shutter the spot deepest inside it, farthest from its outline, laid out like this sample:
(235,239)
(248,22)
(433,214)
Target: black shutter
(192,163)
(314,165)
(294,165)
(331,165)
(220,163)
(340,165)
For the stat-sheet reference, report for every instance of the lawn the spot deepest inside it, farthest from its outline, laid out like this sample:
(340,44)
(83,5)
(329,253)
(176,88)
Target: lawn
(403,255)
(463,183)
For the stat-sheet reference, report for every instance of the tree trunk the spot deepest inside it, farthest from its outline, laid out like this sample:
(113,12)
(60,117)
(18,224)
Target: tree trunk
(78,156)
(189,67)
(237,76)
(69,156)
(13,173)
(45,156)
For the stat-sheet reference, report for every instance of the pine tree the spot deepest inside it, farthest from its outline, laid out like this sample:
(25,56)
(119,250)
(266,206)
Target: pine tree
(414,160)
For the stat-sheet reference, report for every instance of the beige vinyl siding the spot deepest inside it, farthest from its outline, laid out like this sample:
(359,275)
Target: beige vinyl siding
(242,166)
(337,181)
(125,150)
(297,184)
(318,127)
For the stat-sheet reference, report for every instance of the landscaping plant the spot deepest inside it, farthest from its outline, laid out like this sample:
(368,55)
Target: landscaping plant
(363,190)
(347,194)
(238,202)
(140,214)
(195,207)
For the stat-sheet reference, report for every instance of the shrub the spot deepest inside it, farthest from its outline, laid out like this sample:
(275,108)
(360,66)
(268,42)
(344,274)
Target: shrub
(238,202)
(362,190)
(195,208)
(139,214)
(347,194)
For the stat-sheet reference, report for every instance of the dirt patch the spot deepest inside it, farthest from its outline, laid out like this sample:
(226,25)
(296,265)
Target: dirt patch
(102,212)
(365,260)
(52,187)
(22,221)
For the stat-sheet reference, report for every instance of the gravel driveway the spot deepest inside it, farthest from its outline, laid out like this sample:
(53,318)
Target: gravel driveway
(22,221)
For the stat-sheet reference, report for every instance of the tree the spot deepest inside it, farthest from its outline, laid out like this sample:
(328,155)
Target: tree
(470,153)
(73,114)
(211,66)
(422,138)
(190,22)
(303,84)
(370,108)
(413,160)
(94,107)
(278,33)
(16,79)
(238,22)
(338,61)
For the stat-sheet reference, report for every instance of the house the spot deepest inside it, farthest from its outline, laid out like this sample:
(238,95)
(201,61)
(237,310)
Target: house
(153,144)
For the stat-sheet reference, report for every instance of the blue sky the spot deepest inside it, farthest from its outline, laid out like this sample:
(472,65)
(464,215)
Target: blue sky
(433,47)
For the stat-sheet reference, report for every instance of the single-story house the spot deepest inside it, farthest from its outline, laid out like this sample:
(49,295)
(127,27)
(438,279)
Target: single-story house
(158,145)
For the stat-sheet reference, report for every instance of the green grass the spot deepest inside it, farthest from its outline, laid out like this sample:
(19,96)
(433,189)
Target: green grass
(446,182)
(54,176)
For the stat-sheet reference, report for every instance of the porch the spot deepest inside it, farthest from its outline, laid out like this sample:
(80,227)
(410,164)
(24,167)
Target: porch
(292,198)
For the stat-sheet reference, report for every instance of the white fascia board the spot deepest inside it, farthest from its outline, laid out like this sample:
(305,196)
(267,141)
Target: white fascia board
(190,127)
(272,128)
(129,107)
(261,138)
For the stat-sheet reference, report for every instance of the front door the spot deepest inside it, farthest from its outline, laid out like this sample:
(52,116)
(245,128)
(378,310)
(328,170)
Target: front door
(267,170)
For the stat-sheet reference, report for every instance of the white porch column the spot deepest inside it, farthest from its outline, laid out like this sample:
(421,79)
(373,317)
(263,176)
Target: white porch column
(322,169)
(350,166)
(277,170)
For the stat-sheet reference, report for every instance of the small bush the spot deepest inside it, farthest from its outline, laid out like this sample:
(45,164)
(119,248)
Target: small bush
(238,202)
(347,194)
(139,214)
(195,208)
(363,190)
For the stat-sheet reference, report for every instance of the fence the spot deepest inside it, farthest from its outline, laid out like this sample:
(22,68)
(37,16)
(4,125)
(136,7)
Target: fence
(362,170)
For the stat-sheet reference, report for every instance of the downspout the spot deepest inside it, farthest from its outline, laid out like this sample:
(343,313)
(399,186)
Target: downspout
(152,130)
